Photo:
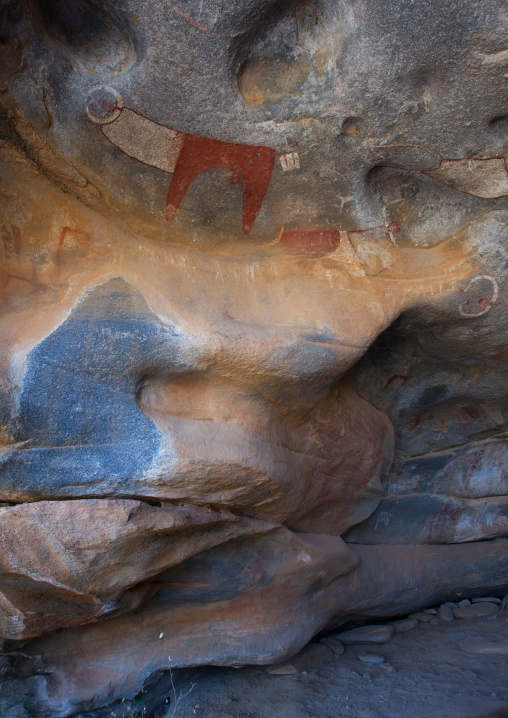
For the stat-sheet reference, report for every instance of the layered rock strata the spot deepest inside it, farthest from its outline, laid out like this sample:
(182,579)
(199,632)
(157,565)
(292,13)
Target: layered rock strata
(254,337)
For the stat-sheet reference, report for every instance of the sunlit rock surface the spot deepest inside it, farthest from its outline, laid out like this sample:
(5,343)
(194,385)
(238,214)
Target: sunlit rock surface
(253,329)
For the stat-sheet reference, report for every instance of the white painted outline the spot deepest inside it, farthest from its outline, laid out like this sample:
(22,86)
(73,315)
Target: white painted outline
(119,105)
(492,301)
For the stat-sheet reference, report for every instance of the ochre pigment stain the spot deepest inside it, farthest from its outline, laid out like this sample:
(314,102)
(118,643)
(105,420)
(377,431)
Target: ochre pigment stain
(251,167)
(317,240)
(186,156)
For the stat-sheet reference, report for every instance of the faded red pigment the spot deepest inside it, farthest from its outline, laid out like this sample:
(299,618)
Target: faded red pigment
(403,378)
(317,240)
(251,167)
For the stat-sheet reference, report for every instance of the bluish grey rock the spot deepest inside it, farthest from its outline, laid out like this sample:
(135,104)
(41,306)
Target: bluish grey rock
(445,613)
(476,610)
(370,659)
(366,634)
(404,624)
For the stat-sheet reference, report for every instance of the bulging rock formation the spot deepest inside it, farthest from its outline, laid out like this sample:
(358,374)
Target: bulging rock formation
(254,336)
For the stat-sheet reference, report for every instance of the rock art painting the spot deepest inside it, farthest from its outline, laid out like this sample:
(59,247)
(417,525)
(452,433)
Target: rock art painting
(253,331)
(184,155)
(480,177)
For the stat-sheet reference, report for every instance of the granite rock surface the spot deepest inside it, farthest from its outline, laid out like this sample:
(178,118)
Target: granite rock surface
(253,329)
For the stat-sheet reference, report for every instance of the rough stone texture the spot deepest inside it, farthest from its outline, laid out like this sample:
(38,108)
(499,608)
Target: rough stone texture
(425,674)
(371,659)
(253,329)
(336,646)
(366,634)
(478,610)
(313,656)
(485,647)
(405,624)
(67,563)
(445,613)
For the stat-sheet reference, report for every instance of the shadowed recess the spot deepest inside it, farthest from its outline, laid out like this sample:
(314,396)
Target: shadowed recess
(94,35)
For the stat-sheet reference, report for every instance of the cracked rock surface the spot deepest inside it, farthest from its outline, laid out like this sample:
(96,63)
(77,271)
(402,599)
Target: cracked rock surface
(253,330)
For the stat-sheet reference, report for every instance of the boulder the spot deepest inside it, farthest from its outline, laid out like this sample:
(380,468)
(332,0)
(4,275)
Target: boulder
(336,646)
(366,634)
(483,647)
(476,610)
(253,334)
(404,624)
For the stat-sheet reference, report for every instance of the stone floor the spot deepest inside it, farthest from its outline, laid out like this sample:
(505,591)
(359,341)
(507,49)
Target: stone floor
(431,676)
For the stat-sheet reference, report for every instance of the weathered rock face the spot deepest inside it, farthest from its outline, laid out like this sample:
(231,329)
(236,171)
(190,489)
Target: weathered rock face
(253,369)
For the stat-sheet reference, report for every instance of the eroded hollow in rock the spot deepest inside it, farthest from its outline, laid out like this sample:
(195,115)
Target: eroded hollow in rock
(254,337)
